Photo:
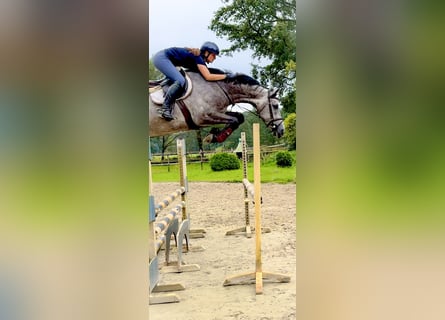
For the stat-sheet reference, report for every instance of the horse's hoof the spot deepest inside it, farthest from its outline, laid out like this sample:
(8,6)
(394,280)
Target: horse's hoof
(208,139)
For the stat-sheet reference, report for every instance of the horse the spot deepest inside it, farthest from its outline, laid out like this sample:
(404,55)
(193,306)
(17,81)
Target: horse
(207,105)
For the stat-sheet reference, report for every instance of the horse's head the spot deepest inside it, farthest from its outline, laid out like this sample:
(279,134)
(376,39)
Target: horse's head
(265,101)
(268,110)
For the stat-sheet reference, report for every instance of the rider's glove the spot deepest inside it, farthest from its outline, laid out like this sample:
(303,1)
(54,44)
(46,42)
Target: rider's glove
(231,76)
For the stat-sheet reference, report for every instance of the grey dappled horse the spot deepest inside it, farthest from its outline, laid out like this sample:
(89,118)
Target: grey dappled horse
(207,106)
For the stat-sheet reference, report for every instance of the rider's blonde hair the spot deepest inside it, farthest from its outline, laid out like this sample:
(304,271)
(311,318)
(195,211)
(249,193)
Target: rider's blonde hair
(195,51)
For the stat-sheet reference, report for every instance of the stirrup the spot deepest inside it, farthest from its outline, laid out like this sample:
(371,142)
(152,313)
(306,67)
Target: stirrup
(167,115)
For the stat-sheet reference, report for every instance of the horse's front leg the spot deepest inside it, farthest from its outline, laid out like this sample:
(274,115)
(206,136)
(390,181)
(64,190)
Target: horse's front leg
(216,135)
(212,118)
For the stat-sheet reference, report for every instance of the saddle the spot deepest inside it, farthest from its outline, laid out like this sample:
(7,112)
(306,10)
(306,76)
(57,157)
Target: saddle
(158,88)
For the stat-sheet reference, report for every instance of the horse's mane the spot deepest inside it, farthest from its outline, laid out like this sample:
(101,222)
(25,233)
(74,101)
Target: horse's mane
(244,79)
(217,71)
(212,70)
(239,79)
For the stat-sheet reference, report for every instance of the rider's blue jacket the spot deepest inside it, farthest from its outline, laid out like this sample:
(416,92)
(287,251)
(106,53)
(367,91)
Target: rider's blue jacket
(182,57)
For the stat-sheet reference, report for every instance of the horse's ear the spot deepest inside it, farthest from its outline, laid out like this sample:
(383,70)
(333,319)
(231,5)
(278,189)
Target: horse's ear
(273,93)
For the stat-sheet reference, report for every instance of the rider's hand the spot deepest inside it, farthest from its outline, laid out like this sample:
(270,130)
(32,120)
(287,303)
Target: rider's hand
(231,76)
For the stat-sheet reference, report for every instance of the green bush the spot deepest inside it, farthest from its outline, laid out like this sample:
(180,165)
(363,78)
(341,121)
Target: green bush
(284,159)
(290,135)
(224,161)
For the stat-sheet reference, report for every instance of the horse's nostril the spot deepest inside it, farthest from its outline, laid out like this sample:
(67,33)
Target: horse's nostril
(278,131)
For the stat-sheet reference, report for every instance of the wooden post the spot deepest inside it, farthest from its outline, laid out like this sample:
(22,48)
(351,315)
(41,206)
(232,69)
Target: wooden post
(257,185)
(182,230)
(153,265)
(248,190)
(182,163)
(258,276)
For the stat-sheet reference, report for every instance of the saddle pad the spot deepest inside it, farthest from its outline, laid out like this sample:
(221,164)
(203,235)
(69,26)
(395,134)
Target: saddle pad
(157,95)
(154,89)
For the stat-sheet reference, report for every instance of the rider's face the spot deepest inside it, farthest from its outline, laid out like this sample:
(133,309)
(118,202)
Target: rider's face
(211,57)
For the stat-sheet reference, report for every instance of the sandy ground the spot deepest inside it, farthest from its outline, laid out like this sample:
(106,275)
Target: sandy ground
(218,208)
(340,275)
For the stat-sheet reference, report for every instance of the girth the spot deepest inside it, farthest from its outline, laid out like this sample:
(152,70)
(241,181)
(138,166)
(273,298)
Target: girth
(187,116)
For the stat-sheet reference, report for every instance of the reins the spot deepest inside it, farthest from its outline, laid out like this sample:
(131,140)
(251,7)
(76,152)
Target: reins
(225,93)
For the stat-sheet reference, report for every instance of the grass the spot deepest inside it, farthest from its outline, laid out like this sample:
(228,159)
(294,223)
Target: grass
(269,173)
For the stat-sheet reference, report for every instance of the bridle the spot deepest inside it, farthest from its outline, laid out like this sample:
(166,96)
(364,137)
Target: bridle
(273,126)
(270,123)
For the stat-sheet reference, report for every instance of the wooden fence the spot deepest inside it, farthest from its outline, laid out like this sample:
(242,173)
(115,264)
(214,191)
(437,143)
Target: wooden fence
(196,157)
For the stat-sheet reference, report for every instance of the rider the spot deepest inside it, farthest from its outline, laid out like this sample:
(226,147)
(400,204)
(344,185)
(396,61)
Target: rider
(191,58)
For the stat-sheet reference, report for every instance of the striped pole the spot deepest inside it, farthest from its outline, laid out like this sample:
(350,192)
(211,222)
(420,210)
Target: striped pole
(168,200)
(246,198)
(168,218)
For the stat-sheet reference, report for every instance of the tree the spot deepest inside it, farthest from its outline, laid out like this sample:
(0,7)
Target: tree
(161,144)
(268,27)
(290,135)
(153,73)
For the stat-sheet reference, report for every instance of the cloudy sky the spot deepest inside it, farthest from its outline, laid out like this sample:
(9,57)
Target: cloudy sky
(185,24)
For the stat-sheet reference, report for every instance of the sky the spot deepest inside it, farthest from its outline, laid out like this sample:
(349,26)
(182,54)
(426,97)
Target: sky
(179,23)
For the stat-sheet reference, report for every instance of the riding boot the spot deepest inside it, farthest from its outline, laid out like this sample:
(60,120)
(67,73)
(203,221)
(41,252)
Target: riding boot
(173,92)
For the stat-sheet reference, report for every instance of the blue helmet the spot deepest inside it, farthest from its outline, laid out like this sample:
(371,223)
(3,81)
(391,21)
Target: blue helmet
(210,47)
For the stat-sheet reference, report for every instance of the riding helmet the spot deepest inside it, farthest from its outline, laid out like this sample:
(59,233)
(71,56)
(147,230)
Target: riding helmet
(210,47)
